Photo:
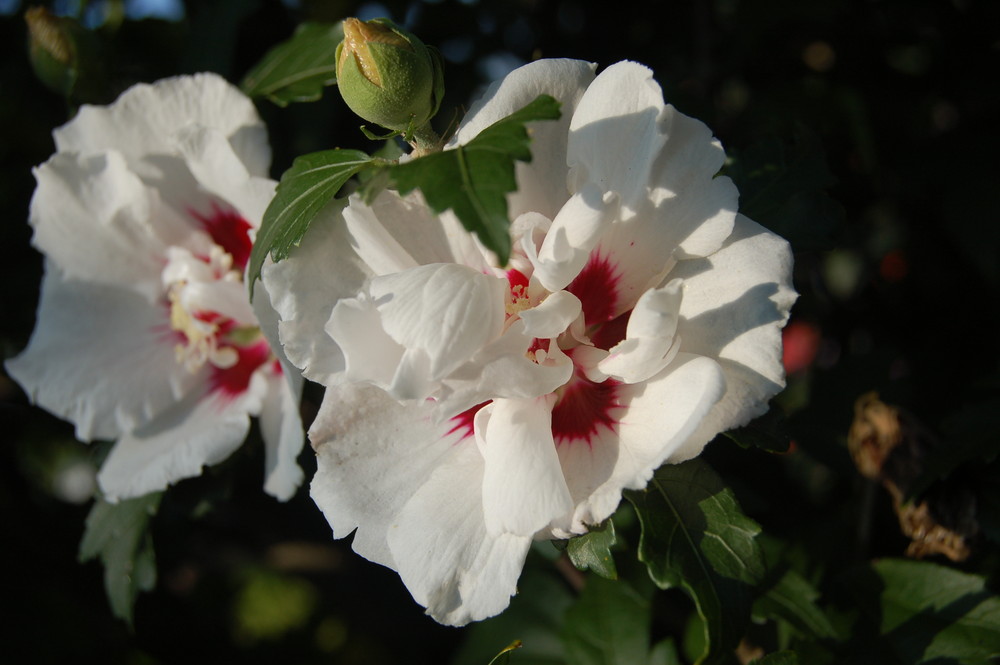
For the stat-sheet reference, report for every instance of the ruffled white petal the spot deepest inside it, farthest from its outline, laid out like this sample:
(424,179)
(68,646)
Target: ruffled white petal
(552,316)
(412,489)
(523,484)
(197,431)
(614,134)
(93,218)
(650,342)
(145,120)
(735,303)
(101,357)
(304,288)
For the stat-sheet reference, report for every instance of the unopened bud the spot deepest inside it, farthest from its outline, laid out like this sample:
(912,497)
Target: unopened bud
(388,76)
(64,55)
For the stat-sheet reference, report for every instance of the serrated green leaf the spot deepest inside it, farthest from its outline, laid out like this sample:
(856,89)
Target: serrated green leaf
(118,534)
(304,190)
(298,69)
(778,658)
(792,599)
(695,537)
(474,179)
(592,550)
(608,625)
(927,613)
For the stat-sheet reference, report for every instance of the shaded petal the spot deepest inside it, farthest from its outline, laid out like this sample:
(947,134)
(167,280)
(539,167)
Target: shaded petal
(304,288)
(735,303)
(370,355)
(92,217)
(217,168)
(145,119)
(442,312)
(658,418)
(614,135)
(542,182)
(283,434)
(101,357)
(413,491)
(650,342)
(552,316)
(571,237)
(198,431)
(280,422)
(523,484)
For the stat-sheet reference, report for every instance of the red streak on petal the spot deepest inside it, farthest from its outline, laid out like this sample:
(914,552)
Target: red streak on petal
(517,278)
(465,422)
(229,231)
(612,332)
(596,287)
(234,381)
(584,409)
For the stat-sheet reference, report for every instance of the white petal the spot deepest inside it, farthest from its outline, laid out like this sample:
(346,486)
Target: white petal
(145,119)
(650,342)
(371,356)
(552,316)
(304,288)
(93,218)
(502,369)
(542,182)
(614,135)
(201,430)
(658,418)
(412,489)
(573,234)
(217,167)
(101,357)
(283,434)
(445,312)
(523,484)
(280,423)
(735,303)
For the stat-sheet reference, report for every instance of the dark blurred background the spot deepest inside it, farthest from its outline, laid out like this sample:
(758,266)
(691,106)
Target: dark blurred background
(888,108)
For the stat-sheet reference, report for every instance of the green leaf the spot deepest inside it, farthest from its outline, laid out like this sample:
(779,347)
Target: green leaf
(928,613)
(297,70)
(778,658)
(118,533)
(304,190)
(695,537)
(592,550)
(792,599)
(474,179)
(608,625)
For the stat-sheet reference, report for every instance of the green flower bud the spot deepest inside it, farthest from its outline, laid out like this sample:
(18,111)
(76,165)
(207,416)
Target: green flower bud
(64,55)
(387,76)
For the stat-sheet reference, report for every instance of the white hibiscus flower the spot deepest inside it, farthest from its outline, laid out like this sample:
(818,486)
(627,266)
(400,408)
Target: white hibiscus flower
(472,408)
(145,333)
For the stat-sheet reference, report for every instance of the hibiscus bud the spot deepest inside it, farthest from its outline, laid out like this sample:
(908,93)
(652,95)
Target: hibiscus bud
(63,55)
(388,76)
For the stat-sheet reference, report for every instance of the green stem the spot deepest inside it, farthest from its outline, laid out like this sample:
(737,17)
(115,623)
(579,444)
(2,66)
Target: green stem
(425,140)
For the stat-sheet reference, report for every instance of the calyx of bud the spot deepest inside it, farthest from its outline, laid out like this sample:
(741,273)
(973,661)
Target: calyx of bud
(388,76)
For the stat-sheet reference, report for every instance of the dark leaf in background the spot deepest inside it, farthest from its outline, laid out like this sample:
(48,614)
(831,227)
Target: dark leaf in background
(118,534)
(297,70)
(793,599)
(696,537)
(927,613)
(778,658)
(767,432)
(608,625)
(782,186)
(474,179)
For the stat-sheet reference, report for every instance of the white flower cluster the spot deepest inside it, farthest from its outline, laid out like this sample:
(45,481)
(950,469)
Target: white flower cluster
(470,407)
